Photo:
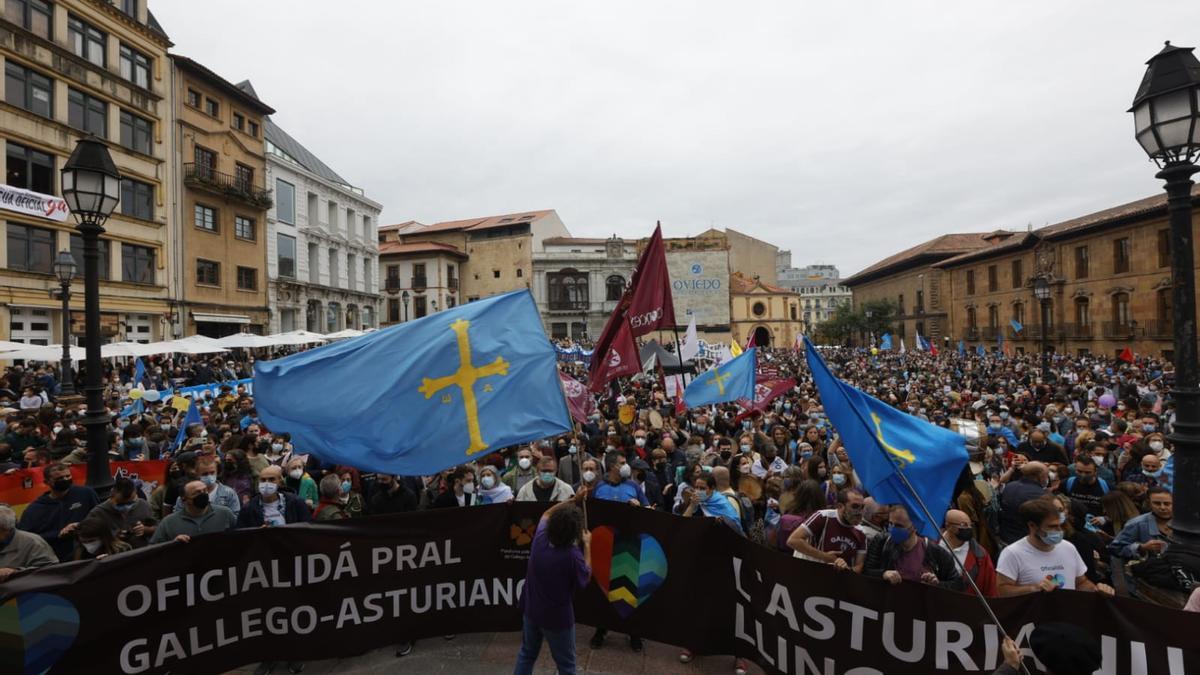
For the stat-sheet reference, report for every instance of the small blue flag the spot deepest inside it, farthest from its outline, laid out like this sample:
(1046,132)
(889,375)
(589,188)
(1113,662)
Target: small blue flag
(421,396)
(729,381)
(139,371)
(1016,325)
(884,443)
(885,343)
(192,417)
(135,408)
(979,351)
(922,343)
(962,350)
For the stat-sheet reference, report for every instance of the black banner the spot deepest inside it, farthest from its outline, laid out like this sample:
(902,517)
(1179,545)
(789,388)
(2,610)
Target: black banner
(321,591)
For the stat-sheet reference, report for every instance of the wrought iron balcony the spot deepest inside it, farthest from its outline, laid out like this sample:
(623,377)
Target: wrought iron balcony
(226,185)
(1160,328)
(1117,329)
(1082,331)
(419,283)
(391,283)
(452,283)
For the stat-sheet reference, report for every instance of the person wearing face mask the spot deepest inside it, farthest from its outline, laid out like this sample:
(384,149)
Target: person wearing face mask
(1150,473)
(94,540)
(56,514)
(569,460)
(460,490)
(522,473)
(589,477)
(128,516)
(1042,561)
(491,489)
(617,486)
(331,506)
(959,538)
(274,505)
(1155,442)
(218,493)
(20,550)
(300,482)
(904,555)
(198,516)
(391,495)
(547,487)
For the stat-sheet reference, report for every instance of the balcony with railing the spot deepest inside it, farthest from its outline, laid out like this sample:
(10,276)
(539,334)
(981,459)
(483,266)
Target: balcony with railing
(206,178)
(1080,331)
(991,332)
(972,333)
(1118,329)
(1160,329)
(391,284)
(419,283)
(452,283)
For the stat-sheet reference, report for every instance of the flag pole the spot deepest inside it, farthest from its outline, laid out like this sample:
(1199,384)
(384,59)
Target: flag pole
(679,353)
(941,536)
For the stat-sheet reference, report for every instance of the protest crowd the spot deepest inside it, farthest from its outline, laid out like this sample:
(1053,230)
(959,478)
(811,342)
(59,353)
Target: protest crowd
(1073,472)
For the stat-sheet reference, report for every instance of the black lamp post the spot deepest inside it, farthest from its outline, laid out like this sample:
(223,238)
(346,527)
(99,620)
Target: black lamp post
(64,269)
(1041,291)
(404,299)
(1166,114)
(91,186)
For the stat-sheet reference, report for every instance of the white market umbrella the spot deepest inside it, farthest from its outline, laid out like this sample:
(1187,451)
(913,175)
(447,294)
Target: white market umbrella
(127,349)
(190,345)
(248,341)
(343,334)
(44,353)
(6,346)
(298,337)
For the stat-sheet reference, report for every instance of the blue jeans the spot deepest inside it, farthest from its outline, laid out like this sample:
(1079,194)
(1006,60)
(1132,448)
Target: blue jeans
(562,648)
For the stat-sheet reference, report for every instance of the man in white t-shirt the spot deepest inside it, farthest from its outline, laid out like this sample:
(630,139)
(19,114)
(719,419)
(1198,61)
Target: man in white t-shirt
(1041,561)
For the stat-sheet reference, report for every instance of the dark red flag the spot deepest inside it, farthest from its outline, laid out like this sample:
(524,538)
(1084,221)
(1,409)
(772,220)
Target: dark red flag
(580,401)
(650,305)
(617,358)
(1126,355)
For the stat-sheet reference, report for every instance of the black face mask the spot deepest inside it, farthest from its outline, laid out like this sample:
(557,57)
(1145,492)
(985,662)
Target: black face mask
(62,484)
(200,501)
(964,534)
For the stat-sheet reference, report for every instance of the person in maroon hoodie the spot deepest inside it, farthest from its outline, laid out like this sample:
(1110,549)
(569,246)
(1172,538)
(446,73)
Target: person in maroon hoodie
(959,538)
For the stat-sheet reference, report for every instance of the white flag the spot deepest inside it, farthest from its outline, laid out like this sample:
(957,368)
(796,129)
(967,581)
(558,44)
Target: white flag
(902,344)
(690,348)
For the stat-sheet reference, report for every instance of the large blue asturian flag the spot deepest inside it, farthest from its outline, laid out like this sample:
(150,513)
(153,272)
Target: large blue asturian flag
(421,396)
(885,343)
(729,381)
(884,443)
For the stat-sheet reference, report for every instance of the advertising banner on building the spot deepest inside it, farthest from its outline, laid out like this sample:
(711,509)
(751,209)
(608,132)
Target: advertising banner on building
(33,203)
(700,286)
(321,591)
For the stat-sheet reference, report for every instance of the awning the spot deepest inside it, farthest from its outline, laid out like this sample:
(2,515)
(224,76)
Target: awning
(220,318)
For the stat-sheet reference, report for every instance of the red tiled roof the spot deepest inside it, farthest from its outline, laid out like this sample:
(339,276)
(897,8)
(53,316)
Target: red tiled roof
(486,222)
(398,226)
(947,245)
(740,283)
(395,247)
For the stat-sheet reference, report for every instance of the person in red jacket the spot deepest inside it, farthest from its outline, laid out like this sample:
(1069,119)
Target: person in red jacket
(959,538)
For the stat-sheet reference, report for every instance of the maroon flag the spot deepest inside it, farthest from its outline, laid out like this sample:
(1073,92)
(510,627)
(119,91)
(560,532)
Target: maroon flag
(616,358)
(650,305)
(579,400)
(765,391)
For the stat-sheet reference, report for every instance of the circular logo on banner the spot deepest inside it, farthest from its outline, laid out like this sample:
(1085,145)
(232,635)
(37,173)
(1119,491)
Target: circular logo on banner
(697,269)
(645,318)
(573,388)
(614,358)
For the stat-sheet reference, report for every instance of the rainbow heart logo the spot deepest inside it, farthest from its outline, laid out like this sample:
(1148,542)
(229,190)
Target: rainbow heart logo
(36,629)
(627,567)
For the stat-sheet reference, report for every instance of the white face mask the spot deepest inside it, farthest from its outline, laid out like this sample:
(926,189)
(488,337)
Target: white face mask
(296,473)
(277,447)
(58,429)
(626,471)
(640,442)
(524,462)
(468,488)
(267,489)
(488,482)
(1156,446)
(589,476)
(90,546)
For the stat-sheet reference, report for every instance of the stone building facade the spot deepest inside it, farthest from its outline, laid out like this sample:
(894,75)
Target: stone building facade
(322,243)
(72,68)
(419,278)
(578,282)
(1109,276)
(770,313)
(219,240)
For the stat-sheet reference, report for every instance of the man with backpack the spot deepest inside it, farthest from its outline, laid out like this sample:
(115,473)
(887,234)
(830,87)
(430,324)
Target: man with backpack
(959,537)
(1086,486)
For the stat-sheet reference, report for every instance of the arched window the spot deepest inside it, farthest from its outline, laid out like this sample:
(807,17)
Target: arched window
(614,286)
(567,289)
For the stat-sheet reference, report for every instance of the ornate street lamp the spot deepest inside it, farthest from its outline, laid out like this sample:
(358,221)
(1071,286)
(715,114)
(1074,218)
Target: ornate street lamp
(91,186)
(64,269)
(1041,291)
(1166,115)
(404,299)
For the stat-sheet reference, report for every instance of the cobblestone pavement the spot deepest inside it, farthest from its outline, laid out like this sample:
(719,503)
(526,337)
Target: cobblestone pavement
(497,653)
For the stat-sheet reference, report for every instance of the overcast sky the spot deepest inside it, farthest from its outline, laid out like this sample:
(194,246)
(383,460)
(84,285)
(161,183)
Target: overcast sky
(844,131)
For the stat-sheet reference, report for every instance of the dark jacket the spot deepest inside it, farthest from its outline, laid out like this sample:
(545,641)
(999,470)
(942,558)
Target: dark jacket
(1012,526)
(447,500)
(400,501)
(47,516)
(294,510)
(122,522)
(882,555)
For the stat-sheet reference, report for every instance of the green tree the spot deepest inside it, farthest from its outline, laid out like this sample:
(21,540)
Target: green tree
(850,325)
